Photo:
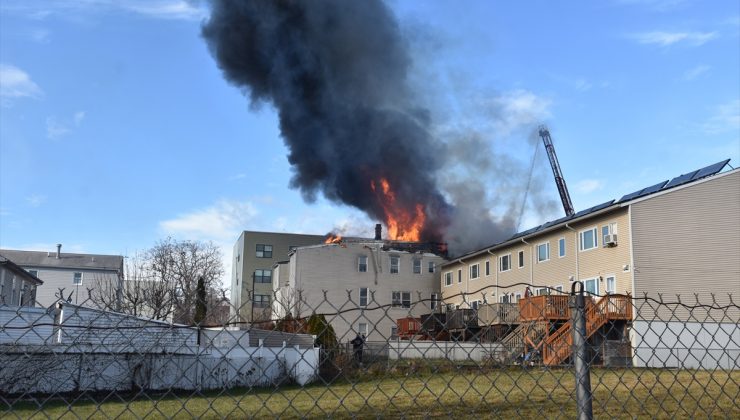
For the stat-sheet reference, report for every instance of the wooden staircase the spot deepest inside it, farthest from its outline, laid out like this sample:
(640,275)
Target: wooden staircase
(558,346)
(528,333)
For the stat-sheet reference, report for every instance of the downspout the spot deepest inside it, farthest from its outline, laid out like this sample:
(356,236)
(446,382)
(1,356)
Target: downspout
(575,242)
(495,270)
(467,281)
(531,263)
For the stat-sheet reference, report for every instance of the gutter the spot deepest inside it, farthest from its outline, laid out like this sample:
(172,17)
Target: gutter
(575,242)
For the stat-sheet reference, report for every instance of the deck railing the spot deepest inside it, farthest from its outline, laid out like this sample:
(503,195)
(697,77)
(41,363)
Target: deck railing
(498,313)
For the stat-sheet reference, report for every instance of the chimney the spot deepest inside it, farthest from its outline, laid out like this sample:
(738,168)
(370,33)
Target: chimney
(378,230)
(59,251)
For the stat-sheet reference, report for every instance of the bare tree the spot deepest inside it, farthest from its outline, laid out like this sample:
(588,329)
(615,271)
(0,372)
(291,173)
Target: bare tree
(180,264)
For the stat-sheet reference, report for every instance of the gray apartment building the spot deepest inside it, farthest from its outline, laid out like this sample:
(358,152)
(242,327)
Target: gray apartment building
(251,281)
(73,272)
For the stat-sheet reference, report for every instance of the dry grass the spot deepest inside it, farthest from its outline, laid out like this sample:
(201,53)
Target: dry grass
(468,393)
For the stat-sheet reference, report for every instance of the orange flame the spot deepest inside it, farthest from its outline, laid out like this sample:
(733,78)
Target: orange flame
(333,239)
(401,224)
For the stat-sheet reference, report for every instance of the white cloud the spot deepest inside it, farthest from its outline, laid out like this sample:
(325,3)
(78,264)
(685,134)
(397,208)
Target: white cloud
(665,39)
(695,72)
(582,85)
(587,186)
(219,222)
(16,83)
(517,109)
(35,200)
(158,9)
(726,118)
(56,128)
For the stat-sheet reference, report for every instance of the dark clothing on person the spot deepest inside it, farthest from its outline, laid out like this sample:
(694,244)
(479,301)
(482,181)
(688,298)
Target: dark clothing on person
(357,344)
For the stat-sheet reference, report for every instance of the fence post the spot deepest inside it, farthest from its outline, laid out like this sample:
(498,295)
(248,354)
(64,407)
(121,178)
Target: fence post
(582,369)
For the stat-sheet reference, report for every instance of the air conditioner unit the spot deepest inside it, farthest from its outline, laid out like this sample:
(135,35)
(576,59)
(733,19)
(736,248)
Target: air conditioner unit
(610,240)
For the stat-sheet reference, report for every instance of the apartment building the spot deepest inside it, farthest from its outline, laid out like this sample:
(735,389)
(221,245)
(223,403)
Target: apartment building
(17,286)
(73,273)
(679,237)
(361,286)
(251,280)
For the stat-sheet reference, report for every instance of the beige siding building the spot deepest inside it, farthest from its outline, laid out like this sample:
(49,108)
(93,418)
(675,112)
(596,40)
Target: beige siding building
(675,240)
(360,286)
(251,280)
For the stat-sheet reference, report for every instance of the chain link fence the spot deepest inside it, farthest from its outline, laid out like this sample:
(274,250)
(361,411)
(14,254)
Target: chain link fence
(556,355)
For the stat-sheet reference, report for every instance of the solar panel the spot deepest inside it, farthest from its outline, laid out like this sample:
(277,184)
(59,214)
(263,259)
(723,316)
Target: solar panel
(653,188)
(710,170)
(680,179)
(633,195)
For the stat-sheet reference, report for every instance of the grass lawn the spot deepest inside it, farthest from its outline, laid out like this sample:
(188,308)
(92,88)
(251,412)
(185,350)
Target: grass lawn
(533,393)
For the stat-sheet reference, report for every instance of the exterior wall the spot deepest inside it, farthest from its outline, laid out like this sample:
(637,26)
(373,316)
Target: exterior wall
(687,243)
(246,262)
(333,269)
(58,278)
(600,263)
(16,290)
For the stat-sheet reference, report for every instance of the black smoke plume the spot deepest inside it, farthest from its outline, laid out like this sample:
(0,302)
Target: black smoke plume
(337,73)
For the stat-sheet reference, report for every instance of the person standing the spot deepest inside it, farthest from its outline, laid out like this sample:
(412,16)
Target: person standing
(357,344)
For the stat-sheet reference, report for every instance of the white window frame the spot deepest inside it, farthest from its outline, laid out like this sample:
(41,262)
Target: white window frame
(403,298)
(542,291)
(362,328)
(367,296)
(394,332)
(360,263)
(611,290)
(521,260)
(261,253)
(611,229)
(459,275)
(74,278)
(500,263)
(397,258)
(595,230)
(559,289)
(477,271)
(488,268)
(547,252)
(448,278)
(431,267)
(518,296)
(415,262)
(475,304)
(596,283)
(562,251)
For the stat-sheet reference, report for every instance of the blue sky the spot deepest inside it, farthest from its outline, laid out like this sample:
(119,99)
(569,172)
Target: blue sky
(117,128)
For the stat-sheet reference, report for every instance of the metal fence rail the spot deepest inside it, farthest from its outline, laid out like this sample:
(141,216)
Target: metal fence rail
(557,356)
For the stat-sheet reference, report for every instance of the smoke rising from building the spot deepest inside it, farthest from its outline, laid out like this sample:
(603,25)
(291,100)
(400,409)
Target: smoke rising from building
(338,74)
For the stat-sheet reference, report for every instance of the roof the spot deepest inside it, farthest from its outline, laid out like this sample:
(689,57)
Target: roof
(66,260)
(660,187)
(10,265)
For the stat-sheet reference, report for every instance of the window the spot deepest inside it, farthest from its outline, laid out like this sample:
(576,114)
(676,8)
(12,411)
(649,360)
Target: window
(362,328)
(521,259)
(459,276)
(611,285)
(543,252)
(518,297)
(488,268)
(362,263)
(34,273)
(609,229)
(394,332)
(450,307)
(588,239)
(395,261)
(363,296)
(591,286)
(505,298)
(77,279)
(448,278)
(559,289)
(434,301)
(417,266)
(263,276)
(238,257)
(475,304)
(264,251)
(504,262)
(261,301)
(474,271)
(432,267)
(542,291)
(561,247)
(401,299)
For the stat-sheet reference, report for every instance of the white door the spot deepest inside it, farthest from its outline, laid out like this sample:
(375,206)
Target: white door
(591,286)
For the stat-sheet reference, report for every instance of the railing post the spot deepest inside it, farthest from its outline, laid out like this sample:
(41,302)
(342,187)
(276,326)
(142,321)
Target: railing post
(582,368)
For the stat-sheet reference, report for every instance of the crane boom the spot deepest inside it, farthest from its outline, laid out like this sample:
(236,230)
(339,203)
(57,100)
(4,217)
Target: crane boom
(559,180)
